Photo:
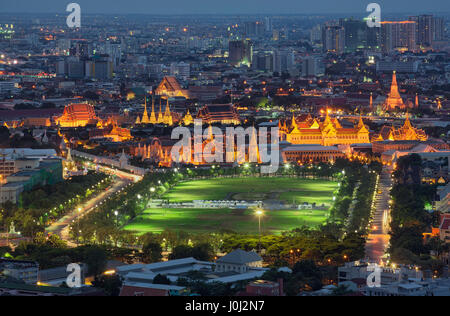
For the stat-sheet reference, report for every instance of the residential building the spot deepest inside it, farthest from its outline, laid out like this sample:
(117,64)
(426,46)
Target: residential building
(333,39)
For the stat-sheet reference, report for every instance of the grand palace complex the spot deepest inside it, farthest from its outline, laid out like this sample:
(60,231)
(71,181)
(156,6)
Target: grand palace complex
(302,137)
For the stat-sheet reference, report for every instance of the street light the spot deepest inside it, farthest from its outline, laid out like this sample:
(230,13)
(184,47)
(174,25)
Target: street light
(259,213)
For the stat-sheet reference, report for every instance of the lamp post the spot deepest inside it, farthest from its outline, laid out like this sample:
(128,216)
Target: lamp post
(116,213)
(259,213)
(78,225)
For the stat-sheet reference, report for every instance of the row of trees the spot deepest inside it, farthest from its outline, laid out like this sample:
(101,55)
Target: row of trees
(39,207)
(410,219)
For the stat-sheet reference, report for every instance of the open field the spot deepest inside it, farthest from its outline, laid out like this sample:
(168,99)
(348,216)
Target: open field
(287,190)
(213,220)
(283,189)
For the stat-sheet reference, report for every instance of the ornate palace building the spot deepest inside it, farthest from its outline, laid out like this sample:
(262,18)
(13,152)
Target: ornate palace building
(170,88)
(224,114)
(309,131)
(406,132)
(77,115)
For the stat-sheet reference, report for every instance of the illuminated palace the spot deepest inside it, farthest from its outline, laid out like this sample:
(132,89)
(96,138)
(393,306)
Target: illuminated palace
(111,129)
(406,132)
(77,115)
(170,87)
(327,133)
(162,117)
(159,150)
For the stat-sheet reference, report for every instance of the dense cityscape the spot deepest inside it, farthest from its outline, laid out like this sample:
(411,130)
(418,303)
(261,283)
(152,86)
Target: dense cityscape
(225,155)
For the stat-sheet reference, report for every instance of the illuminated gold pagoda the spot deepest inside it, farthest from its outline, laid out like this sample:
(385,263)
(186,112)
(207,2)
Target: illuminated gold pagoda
(145,119)
(188,119)
(394,100)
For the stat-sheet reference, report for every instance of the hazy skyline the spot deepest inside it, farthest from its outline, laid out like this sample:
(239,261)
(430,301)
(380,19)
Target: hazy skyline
(226,6)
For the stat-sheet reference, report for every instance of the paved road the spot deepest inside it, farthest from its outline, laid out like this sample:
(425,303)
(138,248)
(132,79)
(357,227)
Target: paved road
(61,227)
(378,239)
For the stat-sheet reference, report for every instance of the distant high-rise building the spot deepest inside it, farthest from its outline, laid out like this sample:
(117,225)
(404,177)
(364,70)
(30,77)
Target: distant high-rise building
(82,50)
(424,29)
(268,24)
(75,68)
(63,46)
(99,67)
(275,35)
(358,35)
(180,70)
(312,66)
(283,60)
(114,50)
(333,39)
(316,34)
(240,53)
(398,36)
(254,29)
(439,29)
(263,61)
(429,29)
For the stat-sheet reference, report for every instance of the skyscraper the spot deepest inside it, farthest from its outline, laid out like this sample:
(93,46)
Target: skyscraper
(358,35)
(439,29)
(429,29)
(312,66)
(398,36)
(263,61)
(283,60)
(333,39)
(240,53)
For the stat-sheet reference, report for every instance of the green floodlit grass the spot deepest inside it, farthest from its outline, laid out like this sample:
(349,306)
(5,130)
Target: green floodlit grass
(284,189)
(213,220)
(243,221)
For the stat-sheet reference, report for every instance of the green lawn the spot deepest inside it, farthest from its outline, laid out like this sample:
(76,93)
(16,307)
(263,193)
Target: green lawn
(244,221)
(284,189)
(210,220)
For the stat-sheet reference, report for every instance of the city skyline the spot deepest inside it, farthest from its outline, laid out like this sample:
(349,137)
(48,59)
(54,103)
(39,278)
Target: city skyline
(253,7)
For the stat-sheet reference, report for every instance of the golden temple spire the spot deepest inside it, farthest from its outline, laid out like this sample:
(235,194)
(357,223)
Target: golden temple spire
(160,114)
(145,119)
(153,119)
(167,115)
(407,121)
(294,126)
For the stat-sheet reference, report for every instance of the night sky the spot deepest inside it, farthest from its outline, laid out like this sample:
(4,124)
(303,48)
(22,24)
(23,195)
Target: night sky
(226,6)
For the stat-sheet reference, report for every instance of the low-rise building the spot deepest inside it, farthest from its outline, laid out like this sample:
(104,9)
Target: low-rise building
(237,266)
(26,271)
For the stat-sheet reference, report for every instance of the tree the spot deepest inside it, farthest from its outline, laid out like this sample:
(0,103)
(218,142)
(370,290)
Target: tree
(96,259)
(151,252)
(161,279)
(111,284)
(181,252)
